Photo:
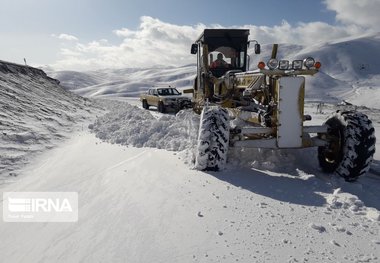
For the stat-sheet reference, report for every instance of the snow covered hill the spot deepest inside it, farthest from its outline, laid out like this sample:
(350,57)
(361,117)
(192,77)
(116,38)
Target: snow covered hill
(130,82)
(36,112)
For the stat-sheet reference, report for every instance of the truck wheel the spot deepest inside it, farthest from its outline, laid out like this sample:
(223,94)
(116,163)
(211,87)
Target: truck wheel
(145,104)
(351,145)
(213,139)
(161,107)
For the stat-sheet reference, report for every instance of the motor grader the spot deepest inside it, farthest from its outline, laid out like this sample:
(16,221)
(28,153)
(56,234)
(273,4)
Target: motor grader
(264,108)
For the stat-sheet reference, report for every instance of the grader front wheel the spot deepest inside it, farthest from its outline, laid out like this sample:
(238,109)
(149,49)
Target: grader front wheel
(213,139)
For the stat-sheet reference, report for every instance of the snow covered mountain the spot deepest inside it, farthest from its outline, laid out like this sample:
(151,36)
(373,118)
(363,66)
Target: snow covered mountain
(35,113)
(128,82)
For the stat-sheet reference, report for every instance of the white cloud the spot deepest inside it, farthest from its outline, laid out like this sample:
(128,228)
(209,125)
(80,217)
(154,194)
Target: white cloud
(158,43)
(69,53)
(124,32)
(357,12)
(65,37)
(154,43)
(302,33)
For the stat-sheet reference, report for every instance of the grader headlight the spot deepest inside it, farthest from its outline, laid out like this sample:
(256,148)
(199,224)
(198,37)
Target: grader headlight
(283,64)
(309,62)
(272,63)
(297,64)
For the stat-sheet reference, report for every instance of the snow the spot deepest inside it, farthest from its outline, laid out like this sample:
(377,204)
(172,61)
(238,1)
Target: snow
(145,205)
(139,199)
(130,125)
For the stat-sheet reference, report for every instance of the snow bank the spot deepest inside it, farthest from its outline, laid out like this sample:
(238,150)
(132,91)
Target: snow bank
(130,125)
(35,112)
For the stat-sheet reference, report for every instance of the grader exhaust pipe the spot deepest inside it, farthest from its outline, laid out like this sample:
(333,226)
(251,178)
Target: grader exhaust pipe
(274,51)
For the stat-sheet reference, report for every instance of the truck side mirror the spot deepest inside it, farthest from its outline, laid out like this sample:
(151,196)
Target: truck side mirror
(194,48)
(257,48)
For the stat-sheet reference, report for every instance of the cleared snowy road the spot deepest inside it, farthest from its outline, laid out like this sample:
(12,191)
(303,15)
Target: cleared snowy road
(146,205)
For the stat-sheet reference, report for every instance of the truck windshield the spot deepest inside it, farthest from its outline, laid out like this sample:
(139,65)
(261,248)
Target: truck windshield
(168,92)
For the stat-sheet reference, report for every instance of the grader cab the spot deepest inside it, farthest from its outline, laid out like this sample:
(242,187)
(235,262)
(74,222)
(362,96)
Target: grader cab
(214,45)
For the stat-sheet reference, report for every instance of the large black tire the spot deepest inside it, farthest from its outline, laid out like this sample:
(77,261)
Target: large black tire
(161,107)
(352,145)
(145,104)
(213,139)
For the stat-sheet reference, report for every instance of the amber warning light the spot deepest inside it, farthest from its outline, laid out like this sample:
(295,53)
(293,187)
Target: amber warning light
(261,65)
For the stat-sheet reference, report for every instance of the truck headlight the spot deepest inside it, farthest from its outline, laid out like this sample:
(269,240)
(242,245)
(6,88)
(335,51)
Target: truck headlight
(309,62)
(272,63)
(297,64)
(283,64)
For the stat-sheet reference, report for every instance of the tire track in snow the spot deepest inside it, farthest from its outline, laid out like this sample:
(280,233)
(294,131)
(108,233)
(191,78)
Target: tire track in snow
(125,161)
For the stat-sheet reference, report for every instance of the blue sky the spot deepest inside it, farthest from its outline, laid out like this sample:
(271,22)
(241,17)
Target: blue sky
(82,31)
(93,19)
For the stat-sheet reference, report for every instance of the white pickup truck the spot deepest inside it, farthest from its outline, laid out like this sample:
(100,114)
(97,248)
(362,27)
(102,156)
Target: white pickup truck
(164,99)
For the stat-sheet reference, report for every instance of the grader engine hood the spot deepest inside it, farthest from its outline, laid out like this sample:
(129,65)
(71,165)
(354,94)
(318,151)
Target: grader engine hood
(286,122)
(249,81)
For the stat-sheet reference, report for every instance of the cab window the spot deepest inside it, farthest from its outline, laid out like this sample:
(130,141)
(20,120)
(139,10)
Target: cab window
(233,57)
